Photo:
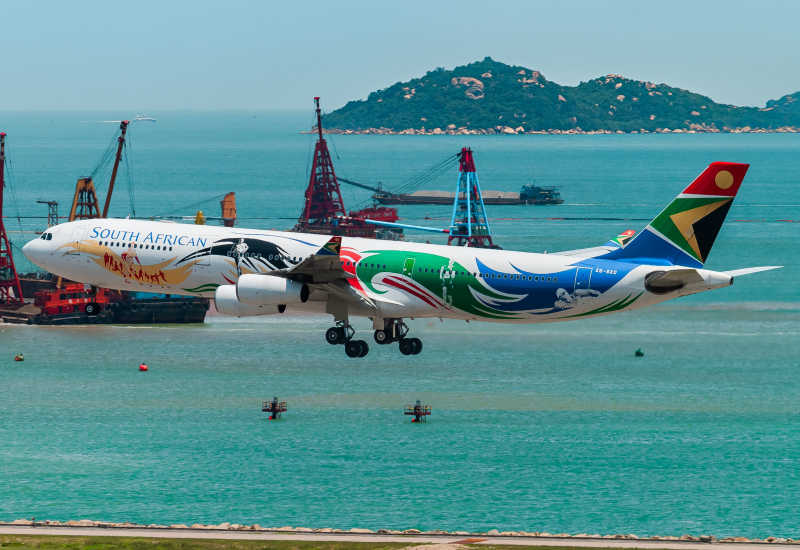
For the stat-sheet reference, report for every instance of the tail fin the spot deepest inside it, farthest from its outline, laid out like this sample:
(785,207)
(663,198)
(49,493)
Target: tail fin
(685,231)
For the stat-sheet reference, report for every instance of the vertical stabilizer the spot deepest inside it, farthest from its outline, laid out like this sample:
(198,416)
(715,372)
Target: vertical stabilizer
(685,231)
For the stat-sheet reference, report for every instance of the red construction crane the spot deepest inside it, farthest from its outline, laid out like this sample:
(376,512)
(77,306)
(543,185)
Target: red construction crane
(10,289)
(323,197)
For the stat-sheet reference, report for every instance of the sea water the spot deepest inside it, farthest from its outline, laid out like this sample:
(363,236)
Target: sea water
(554,427)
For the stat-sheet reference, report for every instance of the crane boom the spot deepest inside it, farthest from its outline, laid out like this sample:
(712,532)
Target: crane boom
(122,128)
(376,190)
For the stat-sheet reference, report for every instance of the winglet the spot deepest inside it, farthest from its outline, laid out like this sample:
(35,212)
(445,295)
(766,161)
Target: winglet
(622,239)
(331,248)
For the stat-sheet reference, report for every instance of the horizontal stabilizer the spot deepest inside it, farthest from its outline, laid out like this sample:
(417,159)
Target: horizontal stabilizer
(749,270)
(661,282)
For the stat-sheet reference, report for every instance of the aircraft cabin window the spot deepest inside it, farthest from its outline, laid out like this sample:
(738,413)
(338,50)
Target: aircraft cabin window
(555,279)
(548,279)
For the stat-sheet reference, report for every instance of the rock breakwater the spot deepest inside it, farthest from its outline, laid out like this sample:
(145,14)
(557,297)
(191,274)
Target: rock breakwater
(226,526)
(508,130)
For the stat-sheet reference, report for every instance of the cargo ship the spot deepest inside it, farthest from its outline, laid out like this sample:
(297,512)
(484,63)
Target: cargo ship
(529,194)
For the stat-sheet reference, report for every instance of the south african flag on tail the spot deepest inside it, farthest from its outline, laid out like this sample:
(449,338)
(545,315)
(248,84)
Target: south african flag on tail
(685,231)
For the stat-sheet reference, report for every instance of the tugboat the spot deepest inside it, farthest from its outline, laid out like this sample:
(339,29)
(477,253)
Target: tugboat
(531,194)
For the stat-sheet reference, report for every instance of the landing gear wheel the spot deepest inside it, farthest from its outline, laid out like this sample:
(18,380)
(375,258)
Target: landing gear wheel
(353,348)
(92,309)
(364,348)
(334,335)
(407,346)
(382,337)
(417,345)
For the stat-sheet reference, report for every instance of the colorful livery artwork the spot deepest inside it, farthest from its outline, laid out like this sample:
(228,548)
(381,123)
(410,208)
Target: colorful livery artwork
(251,272)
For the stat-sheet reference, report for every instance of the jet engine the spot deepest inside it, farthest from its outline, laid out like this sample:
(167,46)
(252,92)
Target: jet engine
(227,303)
(267,290)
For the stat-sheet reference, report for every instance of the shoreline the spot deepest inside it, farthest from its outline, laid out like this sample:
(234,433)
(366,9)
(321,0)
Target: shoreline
(452,130)
(327,531)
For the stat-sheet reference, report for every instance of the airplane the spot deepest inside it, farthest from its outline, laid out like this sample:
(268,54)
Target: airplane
(252,272)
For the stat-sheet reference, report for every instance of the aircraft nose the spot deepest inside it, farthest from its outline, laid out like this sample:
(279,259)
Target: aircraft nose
(32,251)
(27,249)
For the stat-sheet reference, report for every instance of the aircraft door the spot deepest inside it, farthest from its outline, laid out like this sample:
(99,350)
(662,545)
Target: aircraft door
(203,250)
(408,269)
(75,241)
(407,302)
(582,280)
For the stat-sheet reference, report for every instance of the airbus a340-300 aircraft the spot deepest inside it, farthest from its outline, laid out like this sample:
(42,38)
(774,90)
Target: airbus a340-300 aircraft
(252,272)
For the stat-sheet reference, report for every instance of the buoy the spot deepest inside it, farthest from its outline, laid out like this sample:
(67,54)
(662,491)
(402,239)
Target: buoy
(19,358)
(142,367)
(639,353)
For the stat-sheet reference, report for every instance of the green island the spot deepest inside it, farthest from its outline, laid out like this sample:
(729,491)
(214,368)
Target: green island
(489,97)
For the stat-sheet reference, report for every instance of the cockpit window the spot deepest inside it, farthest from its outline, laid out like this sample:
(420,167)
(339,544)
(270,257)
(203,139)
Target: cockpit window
(47,237)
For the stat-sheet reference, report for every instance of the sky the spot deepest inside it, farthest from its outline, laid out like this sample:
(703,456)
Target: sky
(199,54)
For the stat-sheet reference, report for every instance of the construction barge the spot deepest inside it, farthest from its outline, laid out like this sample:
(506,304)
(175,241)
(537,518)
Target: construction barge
(528,195)
(67,306)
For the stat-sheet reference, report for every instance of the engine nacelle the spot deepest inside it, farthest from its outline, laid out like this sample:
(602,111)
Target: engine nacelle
(228,304)
(267,290)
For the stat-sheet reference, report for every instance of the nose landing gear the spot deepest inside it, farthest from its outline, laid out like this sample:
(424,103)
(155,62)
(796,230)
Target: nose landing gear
(395,330)
(343,334)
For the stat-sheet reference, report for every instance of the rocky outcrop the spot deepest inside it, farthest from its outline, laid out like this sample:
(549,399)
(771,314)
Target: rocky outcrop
(508,130)
(84,523)
(474,86)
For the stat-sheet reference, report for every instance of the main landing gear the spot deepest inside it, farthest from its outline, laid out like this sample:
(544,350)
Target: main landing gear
(394,330)
(343,333)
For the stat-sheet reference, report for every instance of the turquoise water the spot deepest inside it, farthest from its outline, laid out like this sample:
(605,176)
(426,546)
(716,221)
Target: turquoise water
(552,428)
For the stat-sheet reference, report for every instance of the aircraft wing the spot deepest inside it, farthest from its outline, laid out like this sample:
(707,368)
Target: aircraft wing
(322,267)
(347,293)
(324,271)
(583,253)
